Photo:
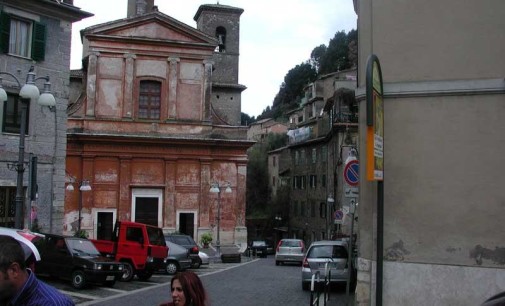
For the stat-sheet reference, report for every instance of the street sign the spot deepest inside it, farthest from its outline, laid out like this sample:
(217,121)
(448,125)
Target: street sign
(351,192)
(351,173)
(338,215)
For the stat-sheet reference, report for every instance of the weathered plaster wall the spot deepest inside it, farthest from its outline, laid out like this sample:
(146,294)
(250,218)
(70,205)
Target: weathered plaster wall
(185,182)
(443,200)
(427,284)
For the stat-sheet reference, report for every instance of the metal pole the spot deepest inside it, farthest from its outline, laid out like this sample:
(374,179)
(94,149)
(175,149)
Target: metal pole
(349,259)
(20,167)
(380,242)
(218,242)
(30,198)
(80,208)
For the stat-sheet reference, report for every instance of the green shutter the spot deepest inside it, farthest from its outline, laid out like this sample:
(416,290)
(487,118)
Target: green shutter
(5,30)
(38,41)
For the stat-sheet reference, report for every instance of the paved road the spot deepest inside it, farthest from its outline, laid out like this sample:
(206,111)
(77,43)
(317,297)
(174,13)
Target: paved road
(259,282)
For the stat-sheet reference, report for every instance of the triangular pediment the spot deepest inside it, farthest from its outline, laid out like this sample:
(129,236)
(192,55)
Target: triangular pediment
(153,26)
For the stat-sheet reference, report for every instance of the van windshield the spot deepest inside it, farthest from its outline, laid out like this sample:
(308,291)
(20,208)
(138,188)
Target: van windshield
(155,236)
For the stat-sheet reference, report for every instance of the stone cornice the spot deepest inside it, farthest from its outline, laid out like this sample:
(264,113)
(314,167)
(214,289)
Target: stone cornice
(440,88)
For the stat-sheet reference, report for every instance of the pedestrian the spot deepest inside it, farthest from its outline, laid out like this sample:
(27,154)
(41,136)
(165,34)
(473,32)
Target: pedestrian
(18,284)
(187,290)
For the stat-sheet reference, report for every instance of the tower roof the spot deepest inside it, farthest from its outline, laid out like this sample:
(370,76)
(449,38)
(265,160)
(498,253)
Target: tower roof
(217,8)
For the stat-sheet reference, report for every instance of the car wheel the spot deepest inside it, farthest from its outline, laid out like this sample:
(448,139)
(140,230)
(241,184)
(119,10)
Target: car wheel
(144,275)
(305,286)
(196,264)
(277,262)
(171,268)
(78,279)
(109,284)
(128,272)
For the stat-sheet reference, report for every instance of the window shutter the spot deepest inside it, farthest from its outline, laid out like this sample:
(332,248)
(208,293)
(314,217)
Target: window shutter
(5,29)
(39,41)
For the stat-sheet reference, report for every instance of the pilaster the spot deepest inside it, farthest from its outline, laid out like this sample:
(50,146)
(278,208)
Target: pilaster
(172,86)
(207,88)
(129,77)
(91,86)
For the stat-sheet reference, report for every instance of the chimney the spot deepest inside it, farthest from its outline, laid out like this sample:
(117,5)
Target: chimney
(139,7)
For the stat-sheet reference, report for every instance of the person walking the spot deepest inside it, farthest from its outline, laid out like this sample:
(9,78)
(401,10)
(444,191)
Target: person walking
(187,290)
(18,284)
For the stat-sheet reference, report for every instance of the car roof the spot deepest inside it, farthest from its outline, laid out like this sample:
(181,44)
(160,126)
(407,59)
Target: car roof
(26,244)
(330,242)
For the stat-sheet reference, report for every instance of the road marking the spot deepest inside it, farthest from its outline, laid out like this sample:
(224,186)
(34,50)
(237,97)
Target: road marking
(113,289)
(232,267)
(81,295)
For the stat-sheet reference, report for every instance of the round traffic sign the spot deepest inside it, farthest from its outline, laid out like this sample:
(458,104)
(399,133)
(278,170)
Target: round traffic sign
(351,173)
(338,215)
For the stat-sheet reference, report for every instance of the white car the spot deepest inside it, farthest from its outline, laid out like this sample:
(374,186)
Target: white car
(204,258)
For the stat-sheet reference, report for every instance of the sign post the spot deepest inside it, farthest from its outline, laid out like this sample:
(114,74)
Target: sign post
(375,155)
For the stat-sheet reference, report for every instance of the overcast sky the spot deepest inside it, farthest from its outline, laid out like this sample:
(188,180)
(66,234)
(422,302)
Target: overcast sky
(275,36)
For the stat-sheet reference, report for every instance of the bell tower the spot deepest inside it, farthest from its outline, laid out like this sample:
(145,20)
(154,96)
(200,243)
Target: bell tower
(223,23)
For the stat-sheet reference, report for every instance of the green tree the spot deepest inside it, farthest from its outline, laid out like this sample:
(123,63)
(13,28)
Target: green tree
(258,190)
(316,55)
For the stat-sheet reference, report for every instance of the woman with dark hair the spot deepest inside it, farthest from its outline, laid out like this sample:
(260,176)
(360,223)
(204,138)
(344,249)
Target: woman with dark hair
(187,290)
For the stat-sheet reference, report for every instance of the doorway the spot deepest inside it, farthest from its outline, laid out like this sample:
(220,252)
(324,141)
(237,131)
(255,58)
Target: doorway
(146,206)
(104,223)
(187,223)
(146,210)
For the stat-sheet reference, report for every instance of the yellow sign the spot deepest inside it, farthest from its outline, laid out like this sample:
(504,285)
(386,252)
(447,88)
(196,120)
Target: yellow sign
(375,131)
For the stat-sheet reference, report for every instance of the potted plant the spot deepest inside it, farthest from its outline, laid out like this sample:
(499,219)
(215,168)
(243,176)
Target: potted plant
(206,239)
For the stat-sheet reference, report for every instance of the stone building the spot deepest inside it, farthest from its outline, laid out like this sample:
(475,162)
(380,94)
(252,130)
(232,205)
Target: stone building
(150,133)
(260,129)
(444,102)
(50,24)
(323,130)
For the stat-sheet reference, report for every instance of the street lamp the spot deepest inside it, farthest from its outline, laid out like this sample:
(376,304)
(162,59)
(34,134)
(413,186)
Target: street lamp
(83,186)
(28,93)
(330,200)
(215,188)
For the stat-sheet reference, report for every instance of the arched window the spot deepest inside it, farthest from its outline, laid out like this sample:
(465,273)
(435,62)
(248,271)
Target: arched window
(149,100)
(221,38)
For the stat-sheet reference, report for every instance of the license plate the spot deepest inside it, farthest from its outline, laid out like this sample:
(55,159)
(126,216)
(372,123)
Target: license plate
(110,278)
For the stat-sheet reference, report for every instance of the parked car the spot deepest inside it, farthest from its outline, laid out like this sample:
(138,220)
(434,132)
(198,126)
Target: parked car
(26,238)
(178,258)
(190,244)
(290,250)
(76,259)
(319,253)
(204,258)
(259,248)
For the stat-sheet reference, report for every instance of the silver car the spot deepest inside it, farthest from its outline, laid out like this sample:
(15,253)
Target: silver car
(178,258)
(290,250)
(321,252)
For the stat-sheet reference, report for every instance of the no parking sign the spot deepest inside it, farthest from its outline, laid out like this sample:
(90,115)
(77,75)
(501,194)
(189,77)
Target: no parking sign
(351,172)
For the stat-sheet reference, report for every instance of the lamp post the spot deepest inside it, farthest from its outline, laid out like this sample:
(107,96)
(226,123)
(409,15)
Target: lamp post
(83,186)
(278,232)
(330,200)
(28,93)
(216,188)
